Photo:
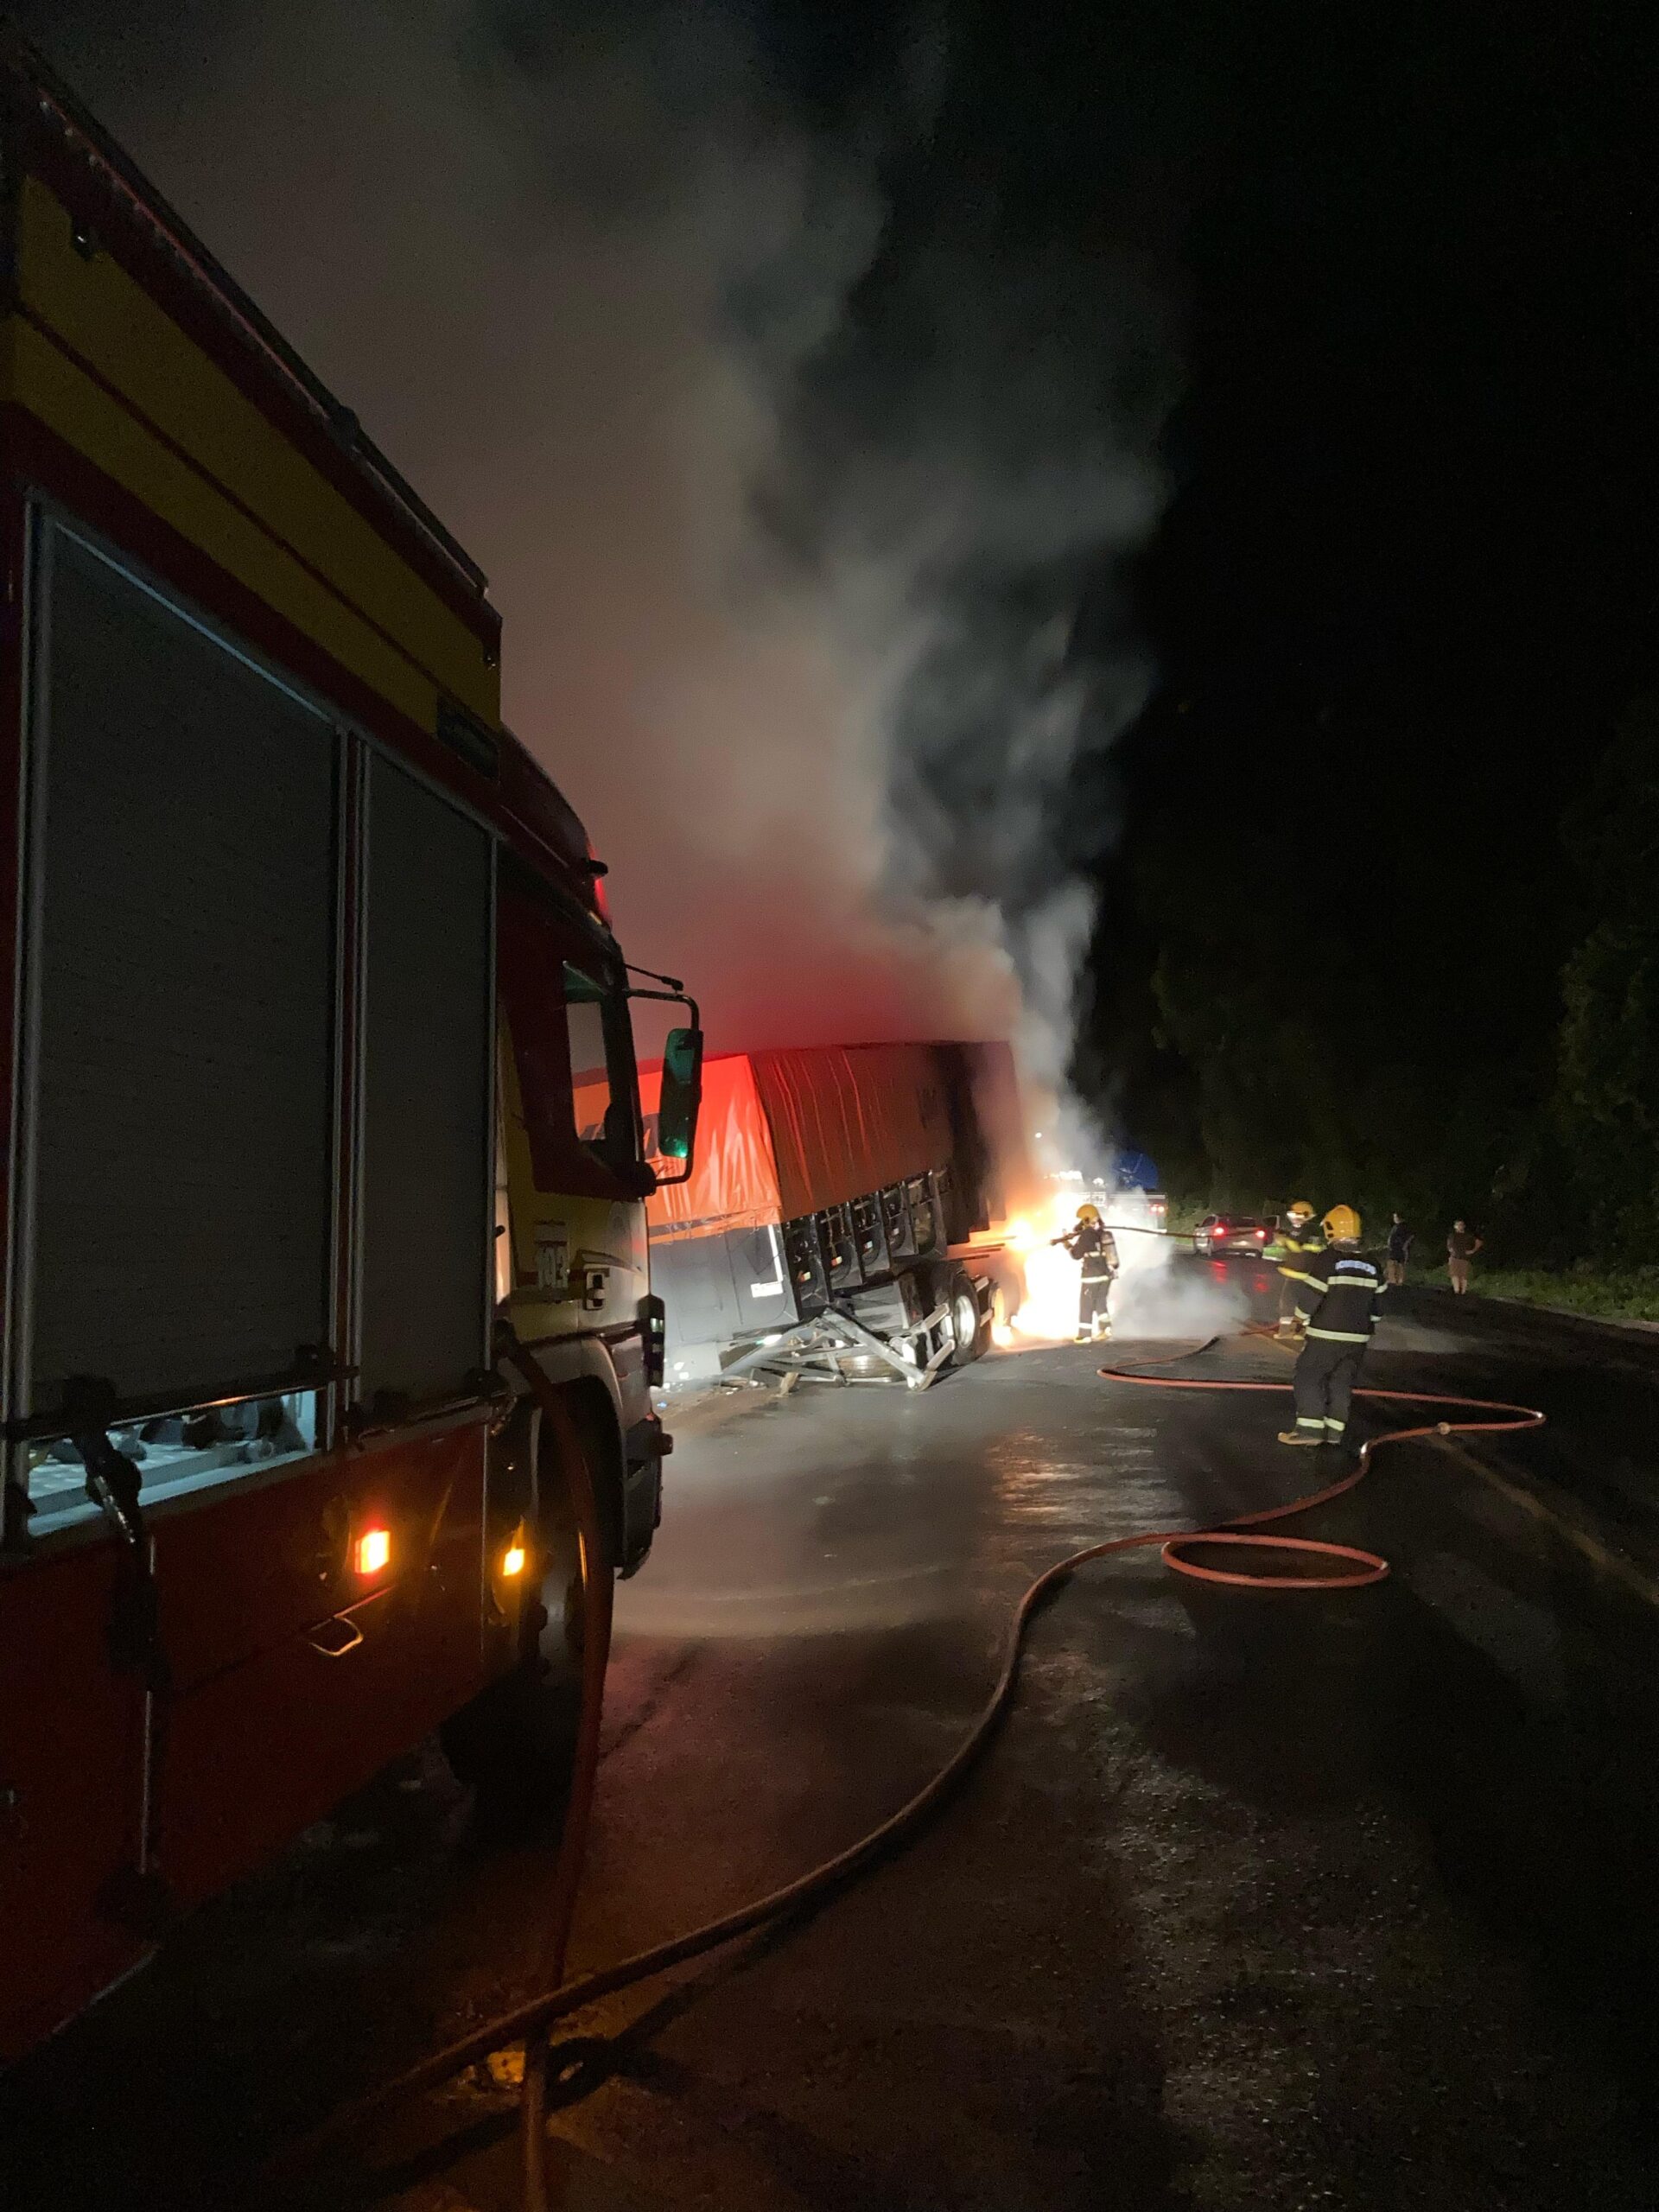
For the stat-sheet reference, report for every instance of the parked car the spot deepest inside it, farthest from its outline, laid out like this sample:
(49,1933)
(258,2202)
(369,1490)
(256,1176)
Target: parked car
(1218,1234)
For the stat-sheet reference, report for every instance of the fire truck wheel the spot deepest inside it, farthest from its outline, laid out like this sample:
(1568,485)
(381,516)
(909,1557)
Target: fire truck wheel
(515,1743)
(968,1327)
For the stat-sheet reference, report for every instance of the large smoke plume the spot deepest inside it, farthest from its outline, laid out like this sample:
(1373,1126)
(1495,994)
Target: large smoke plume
(790,458)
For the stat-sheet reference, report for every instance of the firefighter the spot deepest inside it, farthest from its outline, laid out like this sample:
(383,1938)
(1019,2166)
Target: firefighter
(1337,1307)
(1092,1244)
(1296,1243)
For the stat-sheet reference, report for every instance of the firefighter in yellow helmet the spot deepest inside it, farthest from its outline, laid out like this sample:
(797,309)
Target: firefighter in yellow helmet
(1297,1242)
(1094,1247)
(1337,1307)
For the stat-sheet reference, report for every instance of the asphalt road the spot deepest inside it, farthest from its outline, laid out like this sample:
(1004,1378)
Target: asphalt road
(1258,1901)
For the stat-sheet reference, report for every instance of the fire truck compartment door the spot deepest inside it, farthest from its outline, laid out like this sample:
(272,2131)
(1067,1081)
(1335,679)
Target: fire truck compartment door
(179,1048)
(428,1093)
(177,1109)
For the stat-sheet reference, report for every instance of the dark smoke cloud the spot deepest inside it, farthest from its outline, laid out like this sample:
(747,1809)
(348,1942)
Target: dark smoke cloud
(791,456)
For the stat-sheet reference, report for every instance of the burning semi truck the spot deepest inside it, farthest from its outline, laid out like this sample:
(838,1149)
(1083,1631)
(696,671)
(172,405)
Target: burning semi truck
(841,1222)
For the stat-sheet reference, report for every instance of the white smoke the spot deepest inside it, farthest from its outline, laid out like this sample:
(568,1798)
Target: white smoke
(586,280)
(1153,1298)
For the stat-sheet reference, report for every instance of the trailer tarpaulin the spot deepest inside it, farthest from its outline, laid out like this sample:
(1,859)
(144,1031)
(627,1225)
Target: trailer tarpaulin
(734,1180)
(848,1118)
(1004,1169)
(789,1132)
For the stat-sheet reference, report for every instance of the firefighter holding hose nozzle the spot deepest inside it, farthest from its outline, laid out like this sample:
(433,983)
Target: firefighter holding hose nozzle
(1336,1304)
(1094,1247)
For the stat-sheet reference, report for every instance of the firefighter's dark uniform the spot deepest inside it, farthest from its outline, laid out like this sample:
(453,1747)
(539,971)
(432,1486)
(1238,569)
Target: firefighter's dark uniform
(1337,1296)
(1097,1250)
(1295,1249)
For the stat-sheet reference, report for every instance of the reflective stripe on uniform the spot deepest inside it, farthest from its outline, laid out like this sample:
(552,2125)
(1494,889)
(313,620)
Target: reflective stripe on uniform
(1340,1335)
(1309,1420)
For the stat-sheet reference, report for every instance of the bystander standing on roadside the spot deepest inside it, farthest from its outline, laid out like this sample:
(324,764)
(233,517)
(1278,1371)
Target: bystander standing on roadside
(1461,1247)
(1399,1252)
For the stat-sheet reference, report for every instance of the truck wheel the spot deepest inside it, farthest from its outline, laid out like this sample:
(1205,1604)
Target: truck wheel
(968,1323)
(515,1743)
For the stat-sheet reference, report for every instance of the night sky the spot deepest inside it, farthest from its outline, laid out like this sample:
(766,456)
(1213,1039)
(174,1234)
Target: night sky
(1286,376)
(1407,583)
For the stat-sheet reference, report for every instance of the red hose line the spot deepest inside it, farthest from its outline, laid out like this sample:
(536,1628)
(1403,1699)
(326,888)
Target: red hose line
(1372,1566)
(529,2022)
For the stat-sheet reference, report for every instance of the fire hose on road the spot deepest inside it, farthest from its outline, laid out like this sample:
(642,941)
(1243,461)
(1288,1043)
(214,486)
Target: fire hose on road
(529,2023)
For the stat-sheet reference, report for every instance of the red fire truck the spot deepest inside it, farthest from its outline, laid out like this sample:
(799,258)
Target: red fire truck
(304,949)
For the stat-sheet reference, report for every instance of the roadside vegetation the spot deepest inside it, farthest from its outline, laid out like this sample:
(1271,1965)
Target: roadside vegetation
(1600,1293)
(1257,1058)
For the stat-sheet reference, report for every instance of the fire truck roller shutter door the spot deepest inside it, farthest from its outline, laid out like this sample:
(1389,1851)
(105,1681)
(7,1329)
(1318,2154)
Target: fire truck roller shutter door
(428,1174)
(179,1075)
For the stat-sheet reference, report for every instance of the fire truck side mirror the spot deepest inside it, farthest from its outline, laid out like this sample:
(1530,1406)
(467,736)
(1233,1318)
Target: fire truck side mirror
(680,1098)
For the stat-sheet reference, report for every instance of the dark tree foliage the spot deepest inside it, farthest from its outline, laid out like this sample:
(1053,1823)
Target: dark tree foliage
(1382,923)
(1608,1099)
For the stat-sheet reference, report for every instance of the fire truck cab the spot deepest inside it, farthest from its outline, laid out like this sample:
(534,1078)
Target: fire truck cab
(306,954)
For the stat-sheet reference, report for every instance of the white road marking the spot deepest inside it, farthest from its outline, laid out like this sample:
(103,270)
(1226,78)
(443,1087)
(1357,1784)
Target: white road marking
(1520,1639)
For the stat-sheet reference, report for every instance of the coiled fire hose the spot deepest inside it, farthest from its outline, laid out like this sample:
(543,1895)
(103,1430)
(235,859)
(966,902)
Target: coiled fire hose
(529,2023)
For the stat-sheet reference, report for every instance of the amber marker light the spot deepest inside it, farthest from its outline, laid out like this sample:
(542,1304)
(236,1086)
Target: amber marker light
(373,1551)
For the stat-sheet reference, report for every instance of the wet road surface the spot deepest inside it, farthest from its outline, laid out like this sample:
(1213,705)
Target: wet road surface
(1340,1899)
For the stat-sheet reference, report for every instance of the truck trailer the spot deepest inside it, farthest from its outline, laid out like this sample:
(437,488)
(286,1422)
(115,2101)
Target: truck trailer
(837,1224)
